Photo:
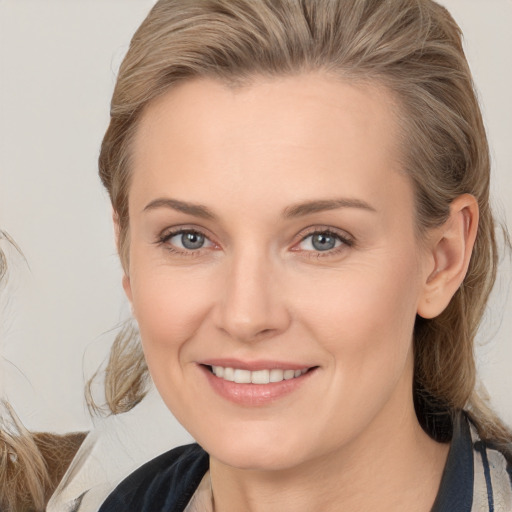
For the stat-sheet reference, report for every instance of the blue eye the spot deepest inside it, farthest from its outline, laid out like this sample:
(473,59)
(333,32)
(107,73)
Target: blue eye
(321,241)
(188,240)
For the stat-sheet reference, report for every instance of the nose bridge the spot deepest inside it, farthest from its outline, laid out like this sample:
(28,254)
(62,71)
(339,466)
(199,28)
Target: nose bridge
(252,305)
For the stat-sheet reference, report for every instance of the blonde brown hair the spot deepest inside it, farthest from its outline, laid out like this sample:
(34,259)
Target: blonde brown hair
(31,464)
(23,472)
(411,47)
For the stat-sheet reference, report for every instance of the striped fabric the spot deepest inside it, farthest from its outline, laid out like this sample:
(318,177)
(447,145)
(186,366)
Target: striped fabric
(492,486)
(477,477)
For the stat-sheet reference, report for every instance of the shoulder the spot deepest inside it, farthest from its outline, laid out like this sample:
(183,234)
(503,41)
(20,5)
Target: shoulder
(165,483)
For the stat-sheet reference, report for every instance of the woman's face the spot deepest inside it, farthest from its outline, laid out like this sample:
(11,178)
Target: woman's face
(272,240)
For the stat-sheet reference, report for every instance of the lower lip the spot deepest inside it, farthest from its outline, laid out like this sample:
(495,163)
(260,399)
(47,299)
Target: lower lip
(253,395)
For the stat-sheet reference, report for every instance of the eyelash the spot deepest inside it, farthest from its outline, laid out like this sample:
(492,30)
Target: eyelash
(346,242)
(163,240)
(345,239)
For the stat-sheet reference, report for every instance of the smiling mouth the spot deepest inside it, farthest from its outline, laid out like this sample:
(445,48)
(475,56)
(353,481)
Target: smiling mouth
(240,376)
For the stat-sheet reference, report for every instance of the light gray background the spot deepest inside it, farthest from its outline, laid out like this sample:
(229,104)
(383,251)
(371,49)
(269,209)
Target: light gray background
(58,60)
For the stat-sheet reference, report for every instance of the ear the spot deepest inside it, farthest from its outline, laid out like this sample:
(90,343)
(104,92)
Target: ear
(450,248)
(115,223)
(126,278)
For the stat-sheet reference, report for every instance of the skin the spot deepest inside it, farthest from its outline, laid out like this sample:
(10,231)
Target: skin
(258,289)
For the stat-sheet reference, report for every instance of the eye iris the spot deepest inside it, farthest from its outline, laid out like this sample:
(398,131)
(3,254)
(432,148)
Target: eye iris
(323,241)
(192,240)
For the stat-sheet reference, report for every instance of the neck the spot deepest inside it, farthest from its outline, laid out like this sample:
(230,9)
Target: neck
(389,467)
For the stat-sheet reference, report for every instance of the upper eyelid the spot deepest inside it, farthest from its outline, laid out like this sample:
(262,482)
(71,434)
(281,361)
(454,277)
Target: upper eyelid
(336,235)
(172,234)
(341,233)
(169,232)
(343,243)
(163,239)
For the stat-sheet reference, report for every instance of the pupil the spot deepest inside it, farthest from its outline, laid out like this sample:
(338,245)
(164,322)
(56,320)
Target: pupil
(323,242)
(192,240)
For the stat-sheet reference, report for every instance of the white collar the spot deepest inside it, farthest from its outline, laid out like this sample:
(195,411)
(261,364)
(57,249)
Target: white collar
(112,450)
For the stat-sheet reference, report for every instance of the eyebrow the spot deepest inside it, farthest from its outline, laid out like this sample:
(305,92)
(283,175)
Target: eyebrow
(197,210)
(297,210)
(309,207)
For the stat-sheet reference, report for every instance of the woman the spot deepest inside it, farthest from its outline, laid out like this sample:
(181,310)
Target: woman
(301,200)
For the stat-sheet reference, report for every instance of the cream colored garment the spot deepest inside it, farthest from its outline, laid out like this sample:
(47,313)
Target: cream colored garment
(499,480)
(113,449)
(202,499)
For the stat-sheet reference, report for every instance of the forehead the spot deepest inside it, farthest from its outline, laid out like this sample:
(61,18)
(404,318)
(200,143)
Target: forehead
(304,134)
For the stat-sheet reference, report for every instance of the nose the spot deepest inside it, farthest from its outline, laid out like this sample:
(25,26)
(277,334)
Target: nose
(252,304)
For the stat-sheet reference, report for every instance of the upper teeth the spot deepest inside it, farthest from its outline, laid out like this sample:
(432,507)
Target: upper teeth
(256,377)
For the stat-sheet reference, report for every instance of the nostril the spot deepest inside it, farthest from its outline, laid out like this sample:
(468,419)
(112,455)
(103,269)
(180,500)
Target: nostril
(265,333)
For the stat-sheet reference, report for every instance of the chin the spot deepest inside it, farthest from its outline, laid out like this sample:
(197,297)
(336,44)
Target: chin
(264,459)
(256,453)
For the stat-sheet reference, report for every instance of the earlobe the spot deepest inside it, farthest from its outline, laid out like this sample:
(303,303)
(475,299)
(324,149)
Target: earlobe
(450,250)
(127,287)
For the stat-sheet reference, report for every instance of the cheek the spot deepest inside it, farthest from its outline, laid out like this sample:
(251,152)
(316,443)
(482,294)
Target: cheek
(365,318)
(169,308)
(364,323)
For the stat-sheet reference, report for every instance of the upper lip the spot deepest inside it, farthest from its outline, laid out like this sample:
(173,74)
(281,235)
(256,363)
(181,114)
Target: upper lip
(254,365)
